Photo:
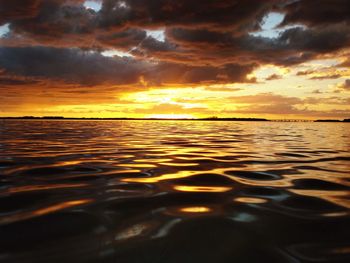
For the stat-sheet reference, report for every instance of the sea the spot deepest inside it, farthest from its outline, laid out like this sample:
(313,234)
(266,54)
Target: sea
(166,191)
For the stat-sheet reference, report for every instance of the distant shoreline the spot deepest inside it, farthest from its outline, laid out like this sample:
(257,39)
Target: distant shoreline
(163,119)
(135,119)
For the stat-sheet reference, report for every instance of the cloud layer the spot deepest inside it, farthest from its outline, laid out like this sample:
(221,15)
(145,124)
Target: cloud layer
(206,42)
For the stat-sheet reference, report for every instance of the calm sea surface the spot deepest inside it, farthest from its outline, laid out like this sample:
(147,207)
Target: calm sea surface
(174,191)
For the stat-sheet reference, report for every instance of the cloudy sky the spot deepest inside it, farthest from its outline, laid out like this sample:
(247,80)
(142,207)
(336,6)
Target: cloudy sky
(185,58)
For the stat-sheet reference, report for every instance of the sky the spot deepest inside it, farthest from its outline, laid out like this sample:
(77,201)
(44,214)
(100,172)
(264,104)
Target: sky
(278,59)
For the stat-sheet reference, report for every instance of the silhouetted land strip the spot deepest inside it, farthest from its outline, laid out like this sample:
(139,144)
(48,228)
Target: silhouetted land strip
(182,119)
(163,119)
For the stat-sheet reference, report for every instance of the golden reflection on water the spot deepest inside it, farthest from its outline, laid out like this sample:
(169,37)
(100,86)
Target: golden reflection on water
(156,179)
(68,163)
(153,160)
(196,209)
(30,188)
(136,165)
(179,164)
(43,211)
(250,200)
(214,189)
(61,206)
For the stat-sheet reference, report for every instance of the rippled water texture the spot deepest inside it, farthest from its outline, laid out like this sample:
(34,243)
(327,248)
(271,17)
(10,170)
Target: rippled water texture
(174,191)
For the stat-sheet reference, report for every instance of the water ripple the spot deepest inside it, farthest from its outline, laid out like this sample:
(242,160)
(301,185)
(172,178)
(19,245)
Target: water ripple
(174,191)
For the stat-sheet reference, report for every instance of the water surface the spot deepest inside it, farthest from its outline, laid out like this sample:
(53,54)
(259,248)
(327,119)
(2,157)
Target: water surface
(174,191)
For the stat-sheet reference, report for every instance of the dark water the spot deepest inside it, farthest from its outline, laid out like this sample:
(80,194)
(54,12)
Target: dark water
(167,191)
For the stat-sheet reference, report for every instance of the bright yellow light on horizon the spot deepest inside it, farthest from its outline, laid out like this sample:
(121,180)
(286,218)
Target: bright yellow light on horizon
(171,116)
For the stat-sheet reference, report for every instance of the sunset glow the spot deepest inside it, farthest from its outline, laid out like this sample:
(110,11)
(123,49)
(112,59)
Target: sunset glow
(171,116)
(164,131)
(274,59)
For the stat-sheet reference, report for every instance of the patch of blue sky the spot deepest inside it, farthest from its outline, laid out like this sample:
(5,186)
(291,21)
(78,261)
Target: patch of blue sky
(94,5)
(158,34)
(270,25)
(4,29)
(114,52)
(270,22)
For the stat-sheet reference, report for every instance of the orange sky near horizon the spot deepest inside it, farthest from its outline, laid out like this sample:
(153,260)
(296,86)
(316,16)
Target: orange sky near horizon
(273,99)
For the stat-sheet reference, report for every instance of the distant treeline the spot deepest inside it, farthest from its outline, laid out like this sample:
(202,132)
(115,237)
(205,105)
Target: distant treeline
(184,119)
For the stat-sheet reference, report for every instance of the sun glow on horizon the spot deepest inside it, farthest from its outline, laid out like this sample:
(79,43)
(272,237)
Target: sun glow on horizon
(171,116)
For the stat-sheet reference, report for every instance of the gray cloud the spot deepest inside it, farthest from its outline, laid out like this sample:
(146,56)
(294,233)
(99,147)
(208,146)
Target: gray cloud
(209,33)
(91,68)
(317,13)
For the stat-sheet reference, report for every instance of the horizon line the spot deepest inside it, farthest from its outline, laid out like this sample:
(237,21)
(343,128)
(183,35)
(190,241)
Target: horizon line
(174,119)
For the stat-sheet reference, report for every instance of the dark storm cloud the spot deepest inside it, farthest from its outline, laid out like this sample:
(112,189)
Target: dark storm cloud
(201,37)
(206,74)
(58,23)
(317,13)
(124,39)
(206,41)
(154,45)
(189,13)
(91,68)
(11,81)
(293,46)
(18,9)
(66,16)
(52,21)
(174,73)
(298,44)
(69,65)
(316,40)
